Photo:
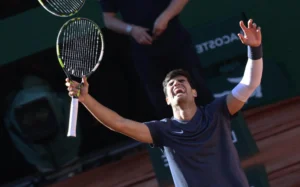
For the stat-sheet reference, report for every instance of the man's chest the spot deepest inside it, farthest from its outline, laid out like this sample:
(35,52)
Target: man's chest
(196,139)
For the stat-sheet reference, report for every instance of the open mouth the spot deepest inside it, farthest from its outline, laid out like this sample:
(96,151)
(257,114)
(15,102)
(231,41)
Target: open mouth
(178,91)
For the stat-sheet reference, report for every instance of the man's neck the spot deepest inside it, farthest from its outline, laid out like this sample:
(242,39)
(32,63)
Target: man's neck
(184,113)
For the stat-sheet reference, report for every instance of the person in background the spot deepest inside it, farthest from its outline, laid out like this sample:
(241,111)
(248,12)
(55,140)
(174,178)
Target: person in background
(159,44)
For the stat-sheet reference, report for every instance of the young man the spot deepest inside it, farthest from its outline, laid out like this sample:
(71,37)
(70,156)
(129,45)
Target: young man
(159,43)
(196,140)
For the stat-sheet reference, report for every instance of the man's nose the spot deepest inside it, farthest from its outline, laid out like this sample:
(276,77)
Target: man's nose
(176,83)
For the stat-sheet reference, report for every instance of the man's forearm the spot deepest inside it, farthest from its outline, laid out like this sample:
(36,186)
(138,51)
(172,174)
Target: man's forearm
(103,114)
(115,24)
(252,74)
(115,122)
(174,8)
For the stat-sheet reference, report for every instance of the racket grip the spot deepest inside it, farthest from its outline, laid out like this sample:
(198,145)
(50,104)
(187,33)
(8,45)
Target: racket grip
(73,118)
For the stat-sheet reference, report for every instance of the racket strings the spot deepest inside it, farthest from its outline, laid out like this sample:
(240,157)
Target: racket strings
(81,47)
(65,6)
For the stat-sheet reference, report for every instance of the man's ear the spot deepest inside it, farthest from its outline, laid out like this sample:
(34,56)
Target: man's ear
(194,92)
(167,100)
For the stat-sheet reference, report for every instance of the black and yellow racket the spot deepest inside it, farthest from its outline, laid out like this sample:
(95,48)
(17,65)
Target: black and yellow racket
(79,48)
(62,8)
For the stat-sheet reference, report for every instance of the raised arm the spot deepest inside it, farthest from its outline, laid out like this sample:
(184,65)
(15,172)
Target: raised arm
(107,117)
(161,23)
(253,71)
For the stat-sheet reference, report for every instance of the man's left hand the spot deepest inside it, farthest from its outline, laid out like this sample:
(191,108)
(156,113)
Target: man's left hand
(252,34)
(160,25)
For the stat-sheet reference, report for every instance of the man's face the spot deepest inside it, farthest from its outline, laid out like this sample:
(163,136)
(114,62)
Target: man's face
(179,90)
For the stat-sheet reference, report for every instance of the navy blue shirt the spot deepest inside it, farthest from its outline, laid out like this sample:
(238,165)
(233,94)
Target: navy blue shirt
(144,13)
(200,152)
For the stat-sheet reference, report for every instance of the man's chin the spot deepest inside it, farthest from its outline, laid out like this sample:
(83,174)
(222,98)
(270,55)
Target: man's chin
(179,98)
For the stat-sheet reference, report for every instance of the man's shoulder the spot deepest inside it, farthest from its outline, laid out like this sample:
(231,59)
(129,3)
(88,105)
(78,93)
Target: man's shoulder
(215,107)
(161,121)
(217,102)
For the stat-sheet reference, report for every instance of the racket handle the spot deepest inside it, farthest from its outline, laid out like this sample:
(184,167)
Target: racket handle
(73,118)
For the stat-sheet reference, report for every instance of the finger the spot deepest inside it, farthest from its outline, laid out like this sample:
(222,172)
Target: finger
(84,81)
(258,29)
(254,25)
(148,38)
(158,32)
(72,89)
(67,80)
(242,38)
(72,94)
(141,41)
(74,83)
(243,26)
(145,29)
(154,31)
(250,23)
(146,42)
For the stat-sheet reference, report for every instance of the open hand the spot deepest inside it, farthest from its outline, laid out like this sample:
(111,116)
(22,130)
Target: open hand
(252,34)
(140,35)
(76,89)
(160,25)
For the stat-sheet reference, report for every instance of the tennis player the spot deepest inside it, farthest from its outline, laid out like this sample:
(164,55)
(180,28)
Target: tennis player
(196,140)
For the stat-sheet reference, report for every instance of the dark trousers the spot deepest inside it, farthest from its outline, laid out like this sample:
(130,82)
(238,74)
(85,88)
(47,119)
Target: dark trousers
(153,62)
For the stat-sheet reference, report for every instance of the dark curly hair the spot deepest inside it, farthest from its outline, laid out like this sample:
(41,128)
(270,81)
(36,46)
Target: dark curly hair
(175,73)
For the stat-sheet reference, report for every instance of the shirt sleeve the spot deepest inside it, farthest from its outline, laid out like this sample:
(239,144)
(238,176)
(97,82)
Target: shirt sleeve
(155,128)
(108,6)
(219,107)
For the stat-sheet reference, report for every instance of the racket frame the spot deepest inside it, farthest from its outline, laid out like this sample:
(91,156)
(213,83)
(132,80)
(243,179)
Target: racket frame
(61,15)
(74,103)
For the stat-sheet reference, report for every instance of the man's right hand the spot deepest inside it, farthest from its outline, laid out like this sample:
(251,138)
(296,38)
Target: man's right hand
(140,35)
(74,90)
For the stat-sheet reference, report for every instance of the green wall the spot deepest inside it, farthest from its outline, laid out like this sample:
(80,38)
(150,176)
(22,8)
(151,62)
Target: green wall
(279,21)
(35,30)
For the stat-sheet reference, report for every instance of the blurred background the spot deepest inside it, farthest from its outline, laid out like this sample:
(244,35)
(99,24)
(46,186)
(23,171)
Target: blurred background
(33,96)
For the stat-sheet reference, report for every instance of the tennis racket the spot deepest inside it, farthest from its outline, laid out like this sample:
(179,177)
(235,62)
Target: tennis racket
(62,8)
(79,49)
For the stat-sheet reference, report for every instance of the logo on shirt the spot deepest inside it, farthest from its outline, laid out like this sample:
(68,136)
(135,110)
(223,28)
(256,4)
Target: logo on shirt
(178,132)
